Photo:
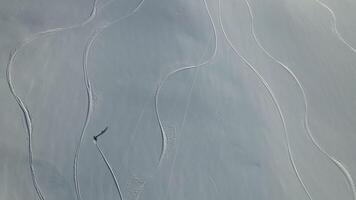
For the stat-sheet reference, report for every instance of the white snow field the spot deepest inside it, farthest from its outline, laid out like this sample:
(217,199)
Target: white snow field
(177,100)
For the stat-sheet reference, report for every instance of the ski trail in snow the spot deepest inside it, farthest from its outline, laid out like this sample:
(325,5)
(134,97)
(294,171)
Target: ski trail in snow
(123,17)
(89,91)
(211,179)
(92,15)
(270,92)
(134,132)
(21,104)
(189,99)
(89,110)
(184,119)
(342,167)
(164,136)
(54,30)
(335,30)
(107,162)
(28,123)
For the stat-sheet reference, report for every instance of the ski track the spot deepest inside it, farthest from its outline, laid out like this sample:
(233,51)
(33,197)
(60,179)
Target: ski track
(183,120)
(134,132)
(341,167)
(336,31)
(89,90)
(164,136)
(266,85)
(147,101)
(21,104)
(88,114)
(211,179)
(107,162)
